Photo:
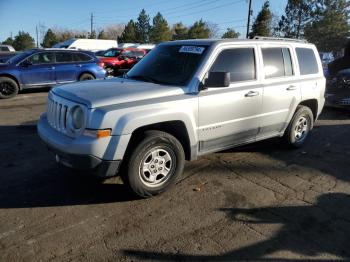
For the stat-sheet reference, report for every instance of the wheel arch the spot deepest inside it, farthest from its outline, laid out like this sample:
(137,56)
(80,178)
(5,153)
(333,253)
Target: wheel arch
(313,105)
(86,72)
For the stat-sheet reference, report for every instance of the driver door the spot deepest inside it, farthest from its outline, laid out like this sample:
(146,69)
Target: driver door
(38,70)
(229,116)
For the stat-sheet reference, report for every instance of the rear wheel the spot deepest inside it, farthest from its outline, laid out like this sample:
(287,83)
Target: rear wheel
(154,164)
(8,87)
(86,76)
(299,127)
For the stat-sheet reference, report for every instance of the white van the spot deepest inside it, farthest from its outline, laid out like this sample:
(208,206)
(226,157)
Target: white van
(87,44)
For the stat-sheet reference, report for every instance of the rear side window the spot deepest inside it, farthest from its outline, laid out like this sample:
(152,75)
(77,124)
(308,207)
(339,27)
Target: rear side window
(307,61)
(240,62)
(277,62)
(64,57)
(4,48)
(80,57)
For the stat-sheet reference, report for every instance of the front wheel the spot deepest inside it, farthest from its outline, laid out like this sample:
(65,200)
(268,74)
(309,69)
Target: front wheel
(299,127)
(8,87)
(154,164)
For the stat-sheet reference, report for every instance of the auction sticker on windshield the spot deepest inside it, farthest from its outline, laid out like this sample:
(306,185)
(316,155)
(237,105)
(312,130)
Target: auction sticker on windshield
(192,49)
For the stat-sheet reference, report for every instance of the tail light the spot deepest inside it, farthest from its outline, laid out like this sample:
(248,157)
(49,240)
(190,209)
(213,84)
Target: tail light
(100,64)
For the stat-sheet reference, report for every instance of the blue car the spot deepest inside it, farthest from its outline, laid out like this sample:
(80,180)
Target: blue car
(46,68)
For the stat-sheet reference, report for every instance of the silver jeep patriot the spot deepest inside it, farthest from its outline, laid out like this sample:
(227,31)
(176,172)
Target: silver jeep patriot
(183,100)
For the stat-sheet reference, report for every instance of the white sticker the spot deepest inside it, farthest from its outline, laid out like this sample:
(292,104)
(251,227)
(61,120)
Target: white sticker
(192,49)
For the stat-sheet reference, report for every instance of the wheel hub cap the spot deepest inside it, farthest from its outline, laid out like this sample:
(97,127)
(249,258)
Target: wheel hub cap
(155,167)
(301,128)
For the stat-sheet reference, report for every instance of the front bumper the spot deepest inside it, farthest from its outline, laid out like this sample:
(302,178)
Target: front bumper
(83,153)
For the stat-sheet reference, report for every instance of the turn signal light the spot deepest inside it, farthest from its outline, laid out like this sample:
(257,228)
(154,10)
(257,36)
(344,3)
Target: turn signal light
(100,133)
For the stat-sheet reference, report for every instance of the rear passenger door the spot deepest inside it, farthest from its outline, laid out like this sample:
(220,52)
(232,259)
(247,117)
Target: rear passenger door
(66,68)
(281,89)
(229,116)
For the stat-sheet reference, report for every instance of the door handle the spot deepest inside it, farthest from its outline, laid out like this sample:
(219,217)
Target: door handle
(78,65)
(51,68)
(291,88)
(251,94)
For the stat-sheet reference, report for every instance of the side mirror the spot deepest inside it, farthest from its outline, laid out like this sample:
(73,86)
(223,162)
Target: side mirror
(218,79)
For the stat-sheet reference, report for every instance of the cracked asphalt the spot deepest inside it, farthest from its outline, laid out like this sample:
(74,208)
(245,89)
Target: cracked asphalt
(261,202)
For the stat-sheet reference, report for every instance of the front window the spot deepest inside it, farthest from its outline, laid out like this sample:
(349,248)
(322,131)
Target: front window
(169,64)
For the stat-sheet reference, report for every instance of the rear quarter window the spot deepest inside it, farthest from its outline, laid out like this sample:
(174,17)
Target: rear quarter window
(307,61)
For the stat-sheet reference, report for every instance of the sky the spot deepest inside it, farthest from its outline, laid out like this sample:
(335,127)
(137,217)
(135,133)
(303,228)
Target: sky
(24,15)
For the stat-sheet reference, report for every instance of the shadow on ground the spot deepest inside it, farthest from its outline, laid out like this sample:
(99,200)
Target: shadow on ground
(310,231)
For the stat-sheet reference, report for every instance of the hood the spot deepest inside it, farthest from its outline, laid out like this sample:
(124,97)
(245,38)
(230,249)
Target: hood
(98,93)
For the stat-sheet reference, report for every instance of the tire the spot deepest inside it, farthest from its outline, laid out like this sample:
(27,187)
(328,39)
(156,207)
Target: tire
(86,76)
(8,87)
(299,127)
(155,164)
(110,71)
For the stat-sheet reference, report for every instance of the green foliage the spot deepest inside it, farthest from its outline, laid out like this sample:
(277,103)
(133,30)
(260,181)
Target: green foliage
(230,33)
(331,28)
(298,14)
(160,30)
(8,41)
(180,32)
(142,27)
(199,30)
(129,33)
(93,35)
(50,39)
(23,41)
(263,21)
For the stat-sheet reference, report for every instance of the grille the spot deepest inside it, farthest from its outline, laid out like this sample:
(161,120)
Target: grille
(57,113)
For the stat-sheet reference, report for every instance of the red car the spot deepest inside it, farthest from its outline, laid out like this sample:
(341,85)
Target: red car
(119,60)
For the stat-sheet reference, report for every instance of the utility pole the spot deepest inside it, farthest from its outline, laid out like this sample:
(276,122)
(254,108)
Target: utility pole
(250,13)
(37,36)
(91,24)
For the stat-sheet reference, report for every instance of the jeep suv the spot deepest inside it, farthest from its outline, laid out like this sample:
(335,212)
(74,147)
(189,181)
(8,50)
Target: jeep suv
(183,100)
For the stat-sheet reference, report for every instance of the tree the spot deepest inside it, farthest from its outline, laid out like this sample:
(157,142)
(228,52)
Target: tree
(102,35)
(92,35)
(8,41)
(180,32)
(129,33)
(114,31)
(50,39)
(230,33)
(23,41)
(330,31)
(160,30)
(298,14)
(199,30)
(262,23)
(142,27)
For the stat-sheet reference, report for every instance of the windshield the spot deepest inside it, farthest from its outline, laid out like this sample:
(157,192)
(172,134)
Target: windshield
(112,53)
(19,57)
(169,64)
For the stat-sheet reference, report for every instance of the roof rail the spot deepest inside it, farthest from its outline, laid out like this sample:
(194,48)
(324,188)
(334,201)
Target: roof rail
(280,39)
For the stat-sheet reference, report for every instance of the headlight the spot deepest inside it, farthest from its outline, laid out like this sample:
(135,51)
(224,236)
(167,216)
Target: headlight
(77,117)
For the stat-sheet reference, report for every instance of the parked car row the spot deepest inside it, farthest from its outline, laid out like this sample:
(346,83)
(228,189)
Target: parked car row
(46,68)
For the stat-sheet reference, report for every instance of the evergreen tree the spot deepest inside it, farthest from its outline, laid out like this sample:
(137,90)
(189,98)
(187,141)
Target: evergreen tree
(50,39)
(230,33)
(160,30)
(129,33)
(180,32)
(142,27)
(330,31)
(23,41)
(262,23)
(199,30)
(8,41)
(92,35)
(298,13)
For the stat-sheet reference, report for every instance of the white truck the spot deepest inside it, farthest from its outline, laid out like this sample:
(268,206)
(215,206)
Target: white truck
(87,44)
